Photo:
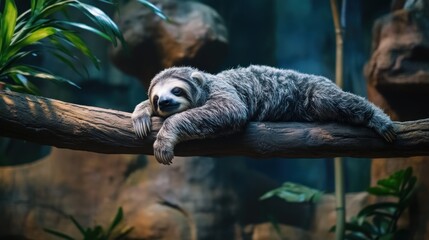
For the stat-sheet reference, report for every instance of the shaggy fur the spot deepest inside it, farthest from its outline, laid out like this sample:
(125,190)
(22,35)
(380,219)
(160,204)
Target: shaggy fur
(198,105)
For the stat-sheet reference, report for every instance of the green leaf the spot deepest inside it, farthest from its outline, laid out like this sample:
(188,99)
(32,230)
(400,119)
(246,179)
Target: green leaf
(70,64)
(387,208)
(114,2)
(33,5)
(54,8)
(116,220)
(38,73)
(16,88)
(409,189)
(28,86)
(37,35)
(357,228)
(154,9)
(292,192)
(101,19)
(408,193)
(58,234)
(87,28)
(95,233)
(68,57)
(390,183)
(13,61)
(30,39)
(78,226)
(8,23)
(407,174)
(382,224)
(39,5)
(380,191)
(76,42)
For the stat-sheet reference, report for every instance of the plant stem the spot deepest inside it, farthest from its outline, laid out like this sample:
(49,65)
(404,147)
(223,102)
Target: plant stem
(339,163)
(339,198)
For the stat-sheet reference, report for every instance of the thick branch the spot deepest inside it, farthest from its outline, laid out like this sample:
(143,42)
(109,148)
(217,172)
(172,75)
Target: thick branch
(66,125)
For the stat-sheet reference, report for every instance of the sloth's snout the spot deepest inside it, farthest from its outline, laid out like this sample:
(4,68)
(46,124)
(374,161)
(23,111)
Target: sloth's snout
(165,102)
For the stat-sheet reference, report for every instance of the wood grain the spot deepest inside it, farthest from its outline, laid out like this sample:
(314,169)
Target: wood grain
(66,125)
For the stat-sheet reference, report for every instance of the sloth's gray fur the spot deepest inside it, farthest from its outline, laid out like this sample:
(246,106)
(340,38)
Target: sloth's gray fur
(226,102)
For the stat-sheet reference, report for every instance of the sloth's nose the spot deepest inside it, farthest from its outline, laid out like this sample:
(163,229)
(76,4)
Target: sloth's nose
(164,102)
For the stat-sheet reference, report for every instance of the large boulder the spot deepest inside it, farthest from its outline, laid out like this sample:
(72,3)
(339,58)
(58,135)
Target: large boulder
(196,36)
(398,81)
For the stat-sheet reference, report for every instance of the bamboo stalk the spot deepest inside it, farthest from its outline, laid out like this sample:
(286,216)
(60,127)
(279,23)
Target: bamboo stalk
(339,162)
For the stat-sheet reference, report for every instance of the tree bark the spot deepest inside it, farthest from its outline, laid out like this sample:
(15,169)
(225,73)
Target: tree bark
(66,125)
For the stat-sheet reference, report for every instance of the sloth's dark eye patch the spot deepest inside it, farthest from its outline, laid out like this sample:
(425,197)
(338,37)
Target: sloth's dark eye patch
(155,102)
(177,91)
(155,99)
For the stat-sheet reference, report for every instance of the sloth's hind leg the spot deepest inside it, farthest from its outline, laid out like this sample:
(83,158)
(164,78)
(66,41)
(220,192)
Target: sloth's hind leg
(141,119)
(336,105)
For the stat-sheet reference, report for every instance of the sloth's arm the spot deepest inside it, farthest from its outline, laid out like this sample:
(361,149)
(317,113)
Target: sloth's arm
(219,116)
(141,119)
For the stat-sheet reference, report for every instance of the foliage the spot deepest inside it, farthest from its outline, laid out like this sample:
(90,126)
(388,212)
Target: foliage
(114,232)
(20,36)
(293,192)
(155,10)
(379,220)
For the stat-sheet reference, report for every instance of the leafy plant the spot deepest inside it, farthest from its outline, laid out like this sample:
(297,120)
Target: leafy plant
(114,232)
(20,34)
(379,220)
(293,192)
(38,26)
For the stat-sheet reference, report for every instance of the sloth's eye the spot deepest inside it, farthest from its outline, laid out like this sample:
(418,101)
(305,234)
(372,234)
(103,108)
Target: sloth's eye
(155,99)
(177,91)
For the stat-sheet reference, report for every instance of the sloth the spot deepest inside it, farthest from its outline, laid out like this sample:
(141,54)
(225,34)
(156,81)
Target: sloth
(199,105)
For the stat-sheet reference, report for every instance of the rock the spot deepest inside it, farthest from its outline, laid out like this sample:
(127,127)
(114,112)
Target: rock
(197,37)
(398,71)
(398,81)
(195,198)
(43,194)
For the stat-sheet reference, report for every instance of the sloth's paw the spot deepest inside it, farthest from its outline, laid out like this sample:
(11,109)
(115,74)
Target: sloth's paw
(142,125)
(387,132)
(382,124)
(163,151)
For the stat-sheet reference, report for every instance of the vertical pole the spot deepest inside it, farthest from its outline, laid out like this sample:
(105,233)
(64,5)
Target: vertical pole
(338,162)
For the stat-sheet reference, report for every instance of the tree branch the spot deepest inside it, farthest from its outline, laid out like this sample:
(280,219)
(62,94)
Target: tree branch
(66,125)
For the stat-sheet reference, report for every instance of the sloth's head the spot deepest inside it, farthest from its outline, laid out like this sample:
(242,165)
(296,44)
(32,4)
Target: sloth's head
(176,90)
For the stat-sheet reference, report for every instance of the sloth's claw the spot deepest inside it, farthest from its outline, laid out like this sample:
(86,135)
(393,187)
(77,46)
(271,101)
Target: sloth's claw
(387,132)
(164,154)
(142,126)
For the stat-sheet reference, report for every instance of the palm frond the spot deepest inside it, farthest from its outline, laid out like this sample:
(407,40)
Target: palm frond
(21,35)
(154,9)
(8,20)
(101,19)
(38,72)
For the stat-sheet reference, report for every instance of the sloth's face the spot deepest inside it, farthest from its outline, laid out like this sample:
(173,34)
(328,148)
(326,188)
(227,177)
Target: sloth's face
(170,97)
